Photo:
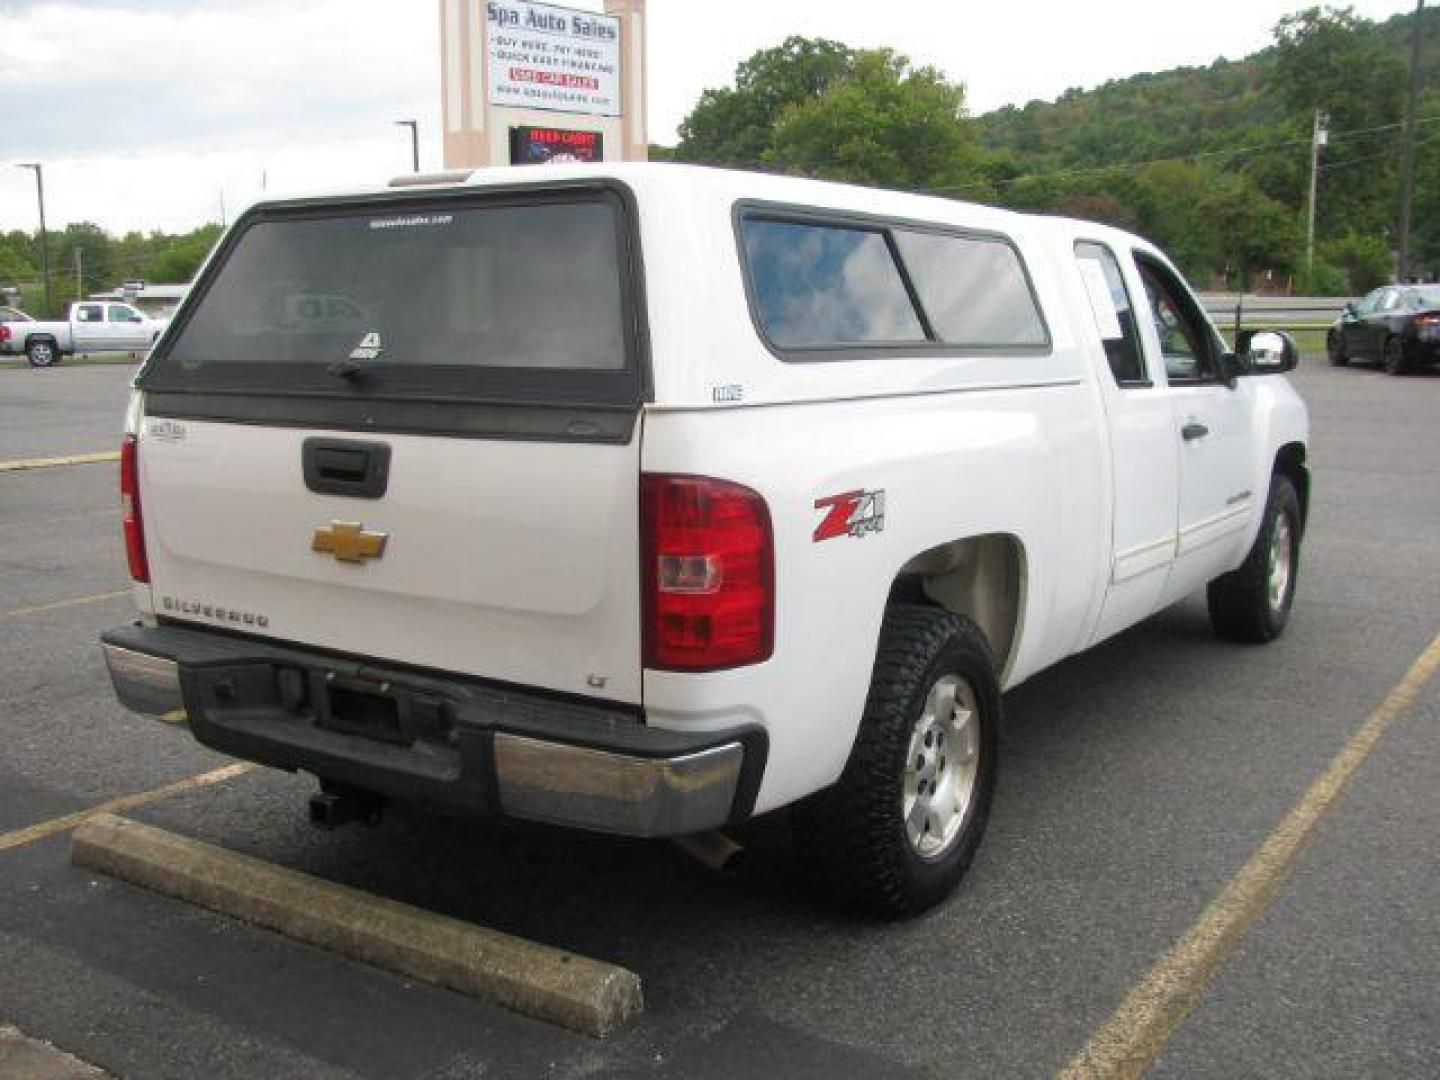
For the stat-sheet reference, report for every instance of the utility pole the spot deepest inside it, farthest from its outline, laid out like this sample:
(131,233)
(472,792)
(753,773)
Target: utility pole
(1319,136)
(1407,164)
(77,259)
(414,126)
(44,233)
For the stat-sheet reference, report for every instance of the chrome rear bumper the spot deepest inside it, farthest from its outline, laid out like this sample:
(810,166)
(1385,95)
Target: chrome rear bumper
(143,683)
(598,789)
(481,750)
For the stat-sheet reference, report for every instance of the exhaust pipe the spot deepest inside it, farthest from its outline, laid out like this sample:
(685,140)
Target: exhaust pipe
(714,849)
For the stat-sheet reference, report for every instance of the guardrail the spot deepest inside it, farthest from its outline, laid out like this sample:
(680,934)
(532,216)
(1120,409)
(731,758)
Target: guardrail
(1249,310)
(1232,311)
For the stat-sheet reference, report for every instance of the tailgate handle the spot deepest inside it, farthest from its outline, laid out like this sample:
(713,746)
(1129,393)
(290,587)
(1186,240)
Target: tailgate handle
(350,467)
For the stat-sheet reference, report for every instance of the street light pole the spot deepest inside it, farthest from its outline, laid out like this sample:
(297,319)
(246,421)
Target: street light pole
(414,126)
(44,236)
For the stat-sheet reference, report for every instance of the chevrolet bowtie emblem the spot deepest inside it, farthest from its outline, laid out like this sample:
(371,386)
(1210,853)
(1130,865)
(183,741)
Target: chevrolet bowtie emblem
(348,541)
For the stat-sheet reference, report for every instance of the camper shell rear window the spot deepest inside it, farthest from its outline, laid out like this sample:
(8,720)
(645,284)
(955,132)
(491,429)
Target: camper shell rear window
(522,296)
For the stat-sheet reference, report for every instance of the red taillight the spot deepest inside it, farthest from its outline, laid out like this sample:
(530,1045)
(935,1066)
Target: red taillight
(708,574)
(4,332)
(130,518)
(1429,319)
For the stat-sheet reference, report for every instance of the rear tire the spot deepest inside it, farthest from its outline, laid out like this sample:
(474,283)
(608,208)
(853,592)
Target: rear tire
(1394,357)
(896,833)
(1335,349)
(1252,603)
(42,353)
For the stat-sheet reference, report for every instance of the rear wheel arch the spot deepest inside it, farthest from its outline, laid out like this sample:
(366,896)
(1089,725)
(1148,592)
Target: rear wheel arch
(979,577)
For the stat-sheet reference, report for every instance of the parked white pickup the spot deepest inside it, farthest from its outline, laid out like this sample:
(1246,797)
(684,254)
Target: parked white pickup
(89,326)
(647,499)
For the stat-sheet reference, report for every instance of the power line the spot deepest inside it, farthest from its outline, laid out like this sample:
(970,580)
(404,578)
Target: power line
(1330,166)
(1198,155)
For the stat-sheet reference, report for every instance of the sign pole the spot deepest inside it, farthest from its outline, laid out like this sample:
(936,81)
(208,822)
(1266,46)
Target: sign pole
(631,13)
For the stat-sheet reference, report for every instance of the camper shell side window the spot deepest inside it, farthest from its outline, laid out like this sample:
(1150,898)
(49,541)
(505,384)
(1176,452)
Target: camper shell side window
(827,285)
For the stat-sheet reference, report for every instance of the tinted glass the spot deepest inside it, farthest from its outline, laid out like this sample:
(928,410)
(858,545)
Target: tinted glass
(1114,314)
(1428,297)
(817,285)
(89,313)
(973,290)
(511,287)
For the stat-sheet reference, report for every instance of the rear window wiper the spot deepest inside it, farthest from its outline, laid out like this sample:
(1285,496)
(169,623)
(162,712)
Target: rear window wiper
(348,369)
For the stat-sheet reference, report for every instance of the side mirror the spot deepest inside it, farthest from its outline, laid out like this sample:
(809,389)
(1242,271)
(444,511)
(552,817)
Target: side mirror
(1351,311)
(1266,352)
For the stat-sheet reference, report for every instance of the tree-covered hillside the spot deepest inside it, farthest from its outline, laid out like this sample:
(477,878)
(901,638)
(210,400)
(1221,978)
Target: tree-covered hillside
(1211,162)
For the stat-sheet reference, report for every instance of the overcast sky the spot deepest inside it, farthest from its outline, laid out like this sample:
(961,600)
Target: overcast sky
(155,113)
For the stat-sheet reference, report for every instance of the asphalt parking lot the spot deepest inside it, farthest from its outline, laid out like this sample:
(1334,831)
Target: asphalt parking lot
(1135,781)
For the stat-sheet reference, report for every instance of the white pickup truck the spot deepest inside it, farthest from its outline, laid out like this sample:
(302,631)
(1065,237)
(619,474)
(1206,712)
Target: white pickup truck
(646,499)
(90,326)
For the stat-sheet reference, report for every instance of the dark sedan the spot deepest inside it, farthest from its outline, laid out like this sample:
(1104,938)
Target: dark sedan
(1397,326)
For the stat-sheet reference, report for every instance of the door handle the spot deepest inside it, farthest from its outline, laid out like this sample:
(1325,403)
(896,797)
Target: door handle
(1194,430)
(350,467)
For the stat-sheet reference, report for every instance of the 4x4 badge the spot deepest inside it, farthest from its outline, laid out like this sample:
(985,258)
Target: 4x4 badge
(853,513)
(349,542)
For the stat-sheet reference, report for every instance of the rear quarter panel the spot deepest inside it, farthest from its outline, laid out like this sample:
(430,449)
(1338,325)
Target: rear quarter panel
(961,445)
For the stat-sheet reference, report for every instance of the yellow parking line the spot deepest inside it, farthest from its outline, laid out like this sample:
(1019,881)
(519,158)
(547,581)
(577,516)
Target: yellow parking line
(49,462)
(31,833)
(58,604)
(1126,1044)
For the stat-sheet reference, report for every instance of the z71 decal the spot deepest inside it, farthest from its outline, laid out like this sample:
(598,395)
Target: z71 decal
(855,513)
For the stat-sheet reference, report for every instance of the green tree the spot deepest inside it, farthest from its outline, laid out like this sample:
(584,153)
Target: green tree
(883,123)
(1331,59)
(181,258)
(1364,260)
(1169,199)
(15,264)
(1099,206)
(735,126)
(94,247)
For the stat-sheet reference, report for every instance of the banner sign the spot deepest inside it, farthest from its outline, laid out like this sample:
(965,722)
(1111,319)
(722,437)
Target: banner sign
(544,57)
(537,145)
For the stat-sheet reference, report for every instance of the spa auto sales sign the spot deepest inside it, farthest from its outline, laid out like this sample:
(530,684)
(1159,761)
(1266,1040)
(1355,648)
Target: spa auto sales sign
(544,57)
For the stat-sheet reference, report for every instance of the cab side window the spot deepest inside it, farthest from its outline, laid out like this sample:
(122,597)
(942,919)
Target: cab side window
(1114,313)
(89,313)
(1187,344)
